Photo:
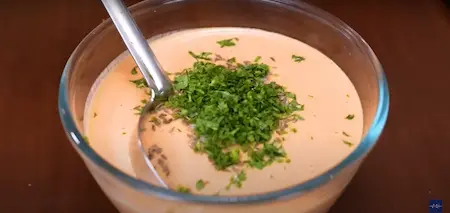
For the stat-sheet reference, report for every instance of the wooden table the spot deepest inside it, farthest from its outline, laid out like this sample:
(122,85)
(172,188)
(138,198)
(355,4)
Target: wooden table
(42,173)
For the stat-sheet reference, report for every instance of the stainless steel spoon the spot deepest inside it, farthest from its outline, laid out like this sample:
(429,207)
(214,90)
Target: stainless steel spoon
(145,59)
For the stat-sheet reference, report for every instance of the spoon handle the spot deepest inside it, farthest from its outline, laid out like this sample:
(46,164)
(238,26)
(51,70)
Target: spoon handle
(138,47)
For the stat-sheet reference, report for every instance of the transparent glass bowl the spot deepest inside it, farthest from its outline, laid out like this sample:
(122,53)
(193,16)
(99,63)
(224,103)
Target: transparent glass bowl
(292,18)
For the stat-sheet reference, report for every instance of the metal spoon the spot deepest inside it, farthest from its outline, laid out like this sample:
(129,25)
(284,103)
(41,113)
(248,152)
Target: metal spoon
(145,59)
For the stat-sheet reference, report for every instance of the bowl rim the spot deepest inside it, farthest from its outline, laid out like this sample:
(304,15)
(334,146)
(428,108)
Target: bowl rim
(360,151)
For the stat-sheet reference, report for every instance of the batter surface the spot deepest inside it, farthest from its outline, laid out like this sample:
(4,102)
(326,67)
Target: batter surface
(331,129)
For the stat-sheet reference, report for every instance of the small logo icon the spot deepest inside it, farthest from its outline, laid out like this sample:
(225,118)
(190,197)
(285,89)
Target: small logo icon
(435,206)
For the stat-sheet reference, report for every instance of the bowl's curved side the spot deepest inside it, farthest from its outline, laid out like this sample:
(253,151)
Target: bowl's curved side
(360,152)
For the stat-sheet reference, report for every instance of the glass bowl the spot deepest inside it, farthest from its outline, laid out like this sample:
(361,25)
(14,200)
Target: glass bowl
(292,18)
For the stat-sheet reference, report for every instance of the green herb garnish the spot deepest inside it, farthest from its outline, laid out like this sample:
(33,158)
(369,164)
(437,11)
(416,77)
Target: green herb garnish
(345,134)
(296,117)
(86,139)
(257,59)
(282,132)
(237,180)
(140,83)
(138,109)
(273,59)
(202,55)
(232,60)
(183,189)
(350,117)
(234,111)
(200,184)
(227,42)
(348,143)
(297,58)
(155,121)
(134,71)
(265,156)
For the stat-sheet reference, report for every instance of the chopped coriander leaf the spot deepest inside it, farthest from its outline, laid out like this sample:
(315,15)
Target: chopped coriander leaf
(294,130)
(265,156)
(168,73)
(184,189)
(139,109)
(301,107)
(134,71)
(200,184)
(181,82)
(350,117)
(140,83)
(296,117)
(237,180)
(233,110)
(291,95)
(273,59)
(348,143)
(86,139)
(232,60)
(257,59)
(199,147)
(155,121)
(297,58)
(202,55)
(144,101)
(345,134)
(227,42)
(282,132)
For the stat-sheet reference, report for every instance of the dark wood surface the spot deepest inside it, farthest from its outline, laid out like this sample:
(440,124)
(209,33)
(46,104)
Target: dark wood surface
(41,172)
